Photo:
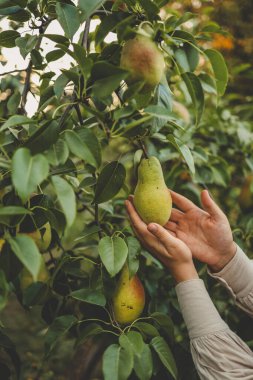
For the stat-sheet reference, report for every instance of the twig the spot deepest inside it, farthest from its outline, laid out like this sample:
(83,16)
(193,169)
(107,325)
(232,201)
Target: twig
(12,71)
(26,85)
(97,220)
(86,34)
(142,146)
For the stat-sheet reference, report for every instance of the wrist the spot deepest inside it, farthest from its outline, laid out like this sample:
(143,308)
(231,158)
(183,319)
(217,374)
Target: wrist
(224,259)
(184,272)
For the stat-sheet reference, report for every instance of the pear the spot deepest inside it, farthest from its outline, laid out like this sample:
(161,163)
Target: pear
(142,58)
(129,298)
(246,195)
(2,241)
(26,278)
(152,199)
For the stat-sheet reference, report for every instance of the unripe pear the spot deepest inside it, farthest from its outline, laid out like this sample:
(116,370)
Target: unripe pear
(246,196)
(152,199)
(129,298)
(41,237)
(142,58)
(26,278)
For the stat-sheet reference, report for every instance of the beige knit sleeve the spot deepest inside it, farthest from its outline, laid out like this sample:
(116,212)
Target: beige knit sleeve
(218,353)
(237,277)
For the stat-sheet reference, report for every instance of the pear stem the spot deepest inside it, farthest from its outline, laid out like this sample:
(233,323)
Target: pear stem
(142,146)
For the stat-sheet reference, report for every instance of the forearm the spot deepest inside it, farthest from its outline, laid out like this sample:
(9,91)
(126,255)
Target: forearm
(217,352)
(237,277)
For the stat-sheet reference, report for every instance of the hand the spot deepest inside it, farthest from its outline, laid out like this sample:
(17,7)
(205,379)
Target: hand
(172,252)
(207,233)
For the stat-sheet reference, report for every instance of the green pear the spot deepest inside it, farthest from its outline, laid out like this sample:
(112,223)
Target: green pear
(129,298)
(152,199)
(26,278)
(142,58)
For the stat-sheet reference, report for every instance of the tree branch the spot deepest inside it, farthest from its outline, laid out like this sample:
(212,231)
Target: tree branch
(86,34)
(142,146)
(12,71)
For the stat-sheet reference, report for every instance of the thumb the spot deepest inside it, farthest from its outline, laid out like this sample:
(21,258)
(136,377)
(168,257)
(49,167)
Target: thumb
(162,234)
(209,205)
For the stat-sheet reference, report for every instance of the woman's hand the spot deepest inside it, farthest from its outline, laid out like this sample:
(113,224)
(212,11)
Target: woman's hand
(173,253)
(206,232)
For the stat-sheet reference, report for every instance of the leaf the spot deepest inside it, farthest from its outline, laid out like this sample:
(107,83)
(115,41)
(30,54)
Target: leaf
(134,249)
(84,144)
(28,172)
(13,210)
(66,198)
(158,111)
(143,364)
(7,38)
(91,296)
(117,363)
(132,340)
(164,321)
(15,120)
(113,252)
(43,137)
(194,87)
(146,329)
(57,330)
(26,44)
(110,181)
(219,69)
(4,290)
(27,252)
(162,349)
(184,151)
(58,153)
(68,17)
(89,6)
(107,78)
(90,330)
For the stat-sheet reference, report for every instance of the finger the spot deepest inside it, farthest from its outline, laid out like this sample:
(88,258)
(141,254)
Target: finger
(162,235)
(131,198)
(176,215)
(135,219)
(210,206)
(171,226)
(182,202)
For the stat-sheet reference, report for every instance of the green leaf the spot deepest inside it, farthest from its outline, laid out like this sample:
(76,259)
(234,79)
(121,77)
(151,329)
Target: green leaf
(7,38)
(43,137)
(146,329)
(84,144)
(113,252)
(26,44)
(13,210)
(158,111)
(4,290)
(15,120)
(164,321)
(162,349)
(219,69)
(54,55)
(184,151)
(132,340)
(57,330)
(194,87)
(27,252)
(59,85)
(134,249)
(68,17)
(117,363)
(28,172)
(143,364)
(91,296)
(107,78)
(110,181)
(66,198)
(58,153)
(89,6)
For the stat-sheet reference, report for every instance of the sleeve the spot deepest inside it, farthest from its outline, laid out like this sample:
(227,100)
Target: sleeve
(237,277)
(218,353)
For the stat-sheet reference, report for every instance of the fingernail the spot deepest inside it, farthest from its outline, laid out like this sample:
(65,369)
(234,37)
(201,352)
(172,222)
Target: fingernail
(152,227)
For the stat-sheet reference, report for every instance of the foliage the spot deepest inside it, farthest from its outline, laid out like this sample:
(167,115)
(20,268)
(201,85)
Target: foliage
(73,162)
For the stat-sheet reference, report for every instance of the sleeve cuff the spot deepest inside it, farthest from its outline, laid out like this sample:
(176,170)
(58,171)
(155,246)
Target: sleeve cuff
(199,312)
(237,275)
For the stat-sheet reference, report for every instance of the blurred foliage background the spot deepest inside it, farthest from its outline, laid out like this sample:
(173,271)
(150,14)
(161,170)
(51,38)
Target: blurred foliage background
(221,146)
